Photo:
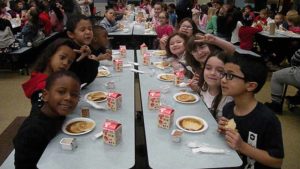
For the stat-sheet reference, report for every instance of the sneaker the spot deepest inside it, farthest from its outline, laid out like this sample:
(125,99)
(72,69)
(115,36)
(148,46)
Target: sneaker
(275,107)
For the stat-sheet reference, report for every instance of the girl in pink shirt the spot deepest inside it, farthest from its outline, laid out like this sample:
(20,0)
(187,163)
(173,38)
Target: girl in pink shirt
(164,29)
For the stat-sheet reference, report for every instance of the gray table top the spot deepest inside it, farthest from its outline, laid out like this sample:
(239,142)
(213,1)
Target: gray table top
(139,29)
(165,154)
(94,154)
(127,31)
(276,35)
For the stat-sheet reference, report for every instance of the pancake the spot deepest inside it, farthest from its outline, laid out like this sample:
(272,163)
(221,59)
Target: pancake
(102,73)
(97,96)
(79,126)
(186,98)
(167,77)
(231,124)
(162,65)
(191,124)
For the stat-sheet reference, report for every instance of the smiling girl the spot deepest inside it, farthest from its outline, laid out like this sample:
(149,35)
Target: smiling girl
(176,48)
(209,86)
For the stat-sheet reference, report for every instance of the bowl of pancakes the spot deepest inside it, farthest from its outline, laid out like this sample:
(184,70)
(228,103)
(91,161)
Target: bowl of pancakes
(191,124)
(96,96)
(185,97)
(166,77)
(78,126)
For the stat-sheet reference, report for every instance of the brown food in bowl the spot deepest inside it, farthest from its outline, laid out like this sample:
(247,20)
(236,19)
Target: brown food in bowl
(79,126)
(191,124)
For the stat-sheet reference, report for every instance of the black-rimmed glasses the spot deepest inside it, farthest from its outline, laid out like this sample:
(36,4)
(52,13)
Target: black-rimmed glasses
(230,76)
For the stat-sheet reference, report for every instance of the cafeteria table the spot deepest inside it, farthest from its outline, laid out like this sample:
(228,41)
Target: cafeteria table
(163,153)
(94,154)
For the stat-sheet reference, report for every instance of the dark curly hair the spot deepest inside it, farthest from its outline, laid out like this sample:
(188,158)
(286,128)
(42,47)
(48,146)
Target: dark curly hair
(43,61)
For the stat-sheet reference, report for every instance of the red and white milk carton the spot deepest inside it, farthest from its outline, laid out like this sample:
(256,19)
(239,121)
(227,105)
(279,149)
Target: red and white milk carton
(179,77)
(114,101)
(165,117)
(153,99)
(146,59)
(122,50)
(112,132)
(143,48)
(118,65)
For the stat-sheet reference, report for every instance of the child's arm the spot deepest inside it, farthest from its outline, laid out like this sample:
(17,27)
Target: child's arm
(105,56)
(211,39)
(235,141)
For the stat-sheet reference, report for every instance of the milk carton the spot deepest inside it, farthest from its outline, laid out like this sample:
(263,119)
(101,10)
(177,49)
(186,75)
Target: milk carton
(146,59)
(179,77)
(153,99)
(165,117)
(122,50)
(114,101)
(118,65)
(112,132)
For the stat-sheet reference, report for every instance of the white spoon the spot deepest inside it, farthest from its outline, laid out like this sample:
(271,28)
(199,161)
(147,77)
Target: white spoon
(95,105)
(190,69)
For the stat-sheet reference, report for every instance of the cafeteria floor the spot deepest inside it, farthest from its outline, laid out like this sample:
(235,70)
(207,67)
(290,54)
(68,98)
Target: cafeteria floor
(13,103)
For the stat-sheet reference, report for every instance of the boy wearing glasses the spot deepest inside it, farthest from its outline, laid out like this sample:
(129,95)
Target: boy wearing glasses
(258,136)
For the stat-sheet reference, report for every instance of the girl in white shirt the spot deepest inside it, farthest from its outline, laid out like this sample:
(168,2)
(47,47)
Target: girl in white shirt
(210,84)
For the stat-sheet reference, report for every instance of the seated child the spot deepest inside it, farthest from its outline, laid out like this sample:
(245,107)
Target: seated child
(249,11)
(199,48)
(280,78)
(247,33)
(60,97)
(175,48)
(172,14)
(109,21)
(30,29)
(164,29)
(262,17)
(257,136)
(279,19)
(158,8)
(79,29)
(209,85)
(59,55)
(99,44)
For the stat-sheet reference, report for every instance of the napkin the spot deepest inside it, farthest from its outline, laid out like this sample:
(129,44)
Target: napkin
(212,150)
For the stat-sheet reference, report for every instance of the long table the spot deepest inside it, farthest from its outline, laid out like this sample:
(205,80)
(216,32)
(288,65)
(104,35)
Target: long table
(165,154)
(94,154)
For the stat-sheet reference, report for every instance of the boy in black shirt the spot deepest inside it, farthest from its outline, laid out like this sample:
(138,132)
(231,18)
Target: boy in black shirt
(258,136)
(79,29)
(99,44)
(60,97)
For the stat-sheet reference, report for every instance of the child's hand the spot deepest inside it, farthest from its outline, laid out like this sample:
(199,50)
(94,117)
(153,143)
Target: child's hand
(109,51)
(222,122)
(107,56)
(207,38)
(163,42)
(233,139)
(193,83)
(85,51)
